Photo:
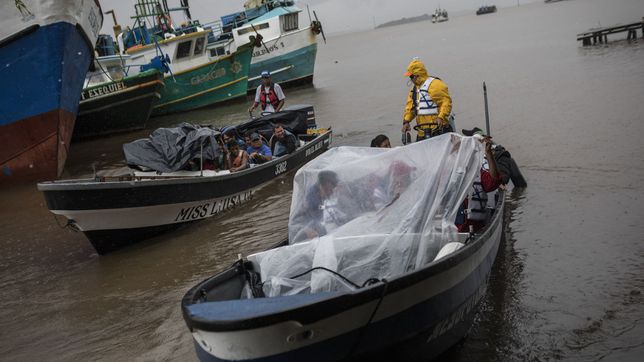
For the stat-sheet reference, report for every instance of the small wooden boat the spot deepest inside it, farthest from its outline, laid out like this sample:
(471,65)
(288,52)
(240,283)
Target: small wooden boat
(116,211)
(405,295)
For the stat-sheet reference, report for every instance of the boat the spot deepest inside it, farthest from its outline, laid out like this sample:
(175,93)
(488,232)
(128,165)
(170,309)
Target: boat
(45,50)
(439,16)
(196,79)
(115,210)
(288,41)
(486,9)
(113,102)
(392,279)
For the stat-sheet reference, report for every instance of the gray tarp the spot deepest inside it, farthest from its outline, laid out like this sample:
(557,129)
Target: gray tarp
(169,149)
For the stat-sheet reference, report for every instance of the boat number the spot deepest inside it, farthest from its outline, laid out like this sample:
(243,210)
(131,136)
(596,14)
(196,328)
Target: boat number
(280,168)
(273,48)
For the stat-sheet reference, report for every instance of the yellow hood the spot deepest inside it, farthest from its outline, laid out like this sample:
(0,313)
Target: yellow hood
(417,68)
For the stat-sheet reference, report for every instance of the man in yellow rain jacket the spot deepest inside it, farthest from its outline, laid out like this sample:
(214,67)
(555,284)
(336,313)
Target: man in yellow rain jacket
(428,101)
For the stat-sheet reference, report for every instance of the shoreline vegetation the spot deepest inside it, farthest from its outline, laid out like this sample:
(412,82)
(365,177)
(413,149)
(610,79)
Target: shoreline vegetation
(405,21)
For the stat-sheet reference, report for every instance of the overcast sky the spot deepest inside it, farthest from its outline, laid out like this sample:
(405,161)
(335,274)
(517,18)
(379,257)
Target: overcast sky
(336,15)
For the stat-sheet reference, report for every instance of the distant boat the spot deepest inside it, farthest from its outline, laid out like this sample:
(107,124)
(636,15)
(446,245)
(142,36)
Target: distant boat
(439,16)
(196,79)
(486,9)
(45,51)
(114,102)
(288,50)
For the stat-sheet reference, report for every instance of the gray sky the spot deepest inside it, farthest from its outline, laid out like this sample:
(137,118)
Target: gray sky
(336,15)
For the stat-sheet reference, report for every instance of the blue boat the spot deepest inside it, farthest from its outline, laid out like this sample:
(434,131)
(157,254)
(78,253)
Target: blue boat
(45,51)
(288,50)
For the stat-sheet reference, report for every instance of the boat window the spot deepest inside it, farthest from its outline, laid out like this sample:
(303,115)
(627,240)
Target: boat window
(289,22)
(199,46)
(183,50)
(215,52)
(250,29)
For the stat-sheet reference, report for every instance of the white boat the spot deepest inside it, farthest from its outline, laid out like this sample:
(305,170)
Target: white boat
(439,16)
(289,40)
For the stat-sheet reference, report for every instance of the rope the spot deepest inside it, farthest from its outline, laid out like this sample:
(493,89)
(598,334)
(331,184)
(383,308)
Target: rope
(373,314)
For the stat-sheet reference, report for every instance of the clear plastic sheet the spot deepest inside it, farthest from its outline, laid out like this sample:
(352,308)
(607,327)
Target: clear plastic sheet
(368,213)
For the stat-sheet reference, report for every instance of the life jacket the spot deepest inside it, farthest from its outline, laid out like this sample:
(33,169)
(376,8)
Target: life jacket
(422,101)
(477,200)
(272,97)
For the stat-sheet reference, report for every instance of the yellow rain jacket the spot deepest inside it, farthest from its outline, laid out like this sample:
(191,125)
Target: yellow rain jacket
(438,93)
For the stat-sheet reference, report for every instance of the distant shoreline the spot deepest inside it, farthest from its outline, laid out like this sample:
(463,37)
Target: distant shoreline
(404,21)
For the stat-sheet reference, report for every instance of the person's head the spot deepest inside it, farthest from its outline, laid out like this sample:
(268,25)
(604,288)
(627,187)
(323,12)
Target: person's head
(232,146)
(266,77)
(247,140)
(416,72)
(401,175)
(381,141)
(327,180)
(255,140)
(278,131)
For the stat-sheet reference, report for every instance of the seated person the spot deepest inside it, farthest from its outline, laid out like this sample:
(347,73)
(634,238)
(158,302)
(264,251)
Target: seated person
(230,134)
(474,208)
(381,141)
(283,142)
(310,216)
(258,151)
(236,158)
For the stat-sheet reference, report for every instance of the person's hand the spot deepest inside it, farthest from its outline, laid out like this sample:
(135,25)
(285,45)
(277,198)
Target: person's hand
(406,127)
(251,109)
(253,155)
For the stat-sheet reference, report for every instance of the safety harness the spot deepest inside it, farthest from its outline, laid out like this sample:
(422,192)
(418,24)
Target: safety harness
(272,97)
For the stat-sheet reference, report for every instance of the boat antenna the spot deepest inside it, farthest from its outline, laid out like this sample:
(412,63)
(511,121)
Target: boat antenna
(487,113)
(309,11)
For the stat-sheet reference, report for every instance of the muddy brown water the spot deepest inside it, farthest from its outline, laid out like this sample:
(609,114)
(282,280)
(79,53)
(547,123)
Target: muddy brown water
(569,277)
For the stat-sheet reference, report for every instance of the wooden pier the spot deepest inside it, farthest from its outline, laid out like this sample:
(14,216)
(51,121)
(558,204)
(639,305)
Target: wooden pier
(600,35)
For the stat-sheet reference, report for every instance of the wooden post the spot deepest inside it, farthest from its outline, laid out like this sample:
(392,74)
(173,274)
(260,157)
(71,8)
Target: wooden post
(605,38)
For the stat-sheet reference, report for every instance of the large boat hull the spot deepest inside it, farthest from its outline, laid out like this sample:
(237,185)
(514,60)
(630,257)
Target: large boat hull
(113,214)
(217,81)
(119,106)
(44,66)
(415,317)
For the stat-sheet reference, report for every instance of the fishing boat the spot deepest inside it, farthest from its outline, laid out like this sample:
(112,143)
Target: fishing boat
(288,49)
(158,194)
(386,275)
(486,9)
(439,16)
(45,50)
(196,79)
(113,102)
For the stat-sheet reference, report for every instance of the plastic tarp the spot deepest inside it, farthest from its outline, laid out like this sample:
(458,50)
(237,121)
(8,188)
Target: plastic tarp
(169,149)
(371,213)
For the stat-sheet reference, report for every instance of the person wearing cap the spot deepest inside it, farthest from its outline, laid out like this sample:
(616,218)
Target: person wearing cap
(269,95)
(258,152)
(428,101)
(506,165)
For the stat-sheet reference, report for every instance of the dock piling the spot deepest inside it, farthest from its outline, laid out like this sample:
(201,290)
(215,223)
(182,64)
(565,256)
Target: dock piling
(600,35)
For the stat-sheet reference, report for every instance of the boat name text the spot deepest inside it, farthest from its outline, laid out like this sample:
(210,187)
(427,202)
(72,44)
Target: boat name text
(313,149)
(273,48)
(459,314)
(101,91)
(212,208)
(212,75)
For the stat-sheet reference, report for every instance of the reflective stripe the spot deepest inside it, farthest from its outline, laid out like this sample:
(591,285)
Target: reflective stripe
(425,104)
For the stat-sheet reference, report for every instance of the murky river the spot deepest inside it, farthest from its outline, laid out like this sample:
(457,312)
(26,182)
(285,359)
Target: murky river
(569,278)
